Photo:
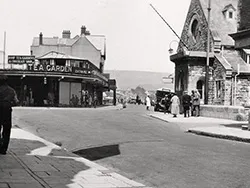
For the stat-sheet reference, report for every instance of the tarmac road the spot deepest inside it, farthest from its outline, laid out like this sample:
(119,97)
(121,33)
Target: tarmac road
(153,152)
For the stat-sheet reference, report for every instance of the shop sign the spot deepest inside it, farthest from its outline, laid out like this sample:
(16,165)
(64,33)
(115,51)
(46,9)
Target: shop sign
(19,59)
(78,70)
(50,68)
(100,75)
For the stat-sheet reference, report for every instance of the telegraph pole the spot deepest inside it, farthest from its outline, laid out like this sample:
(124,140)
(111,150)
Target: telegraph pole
(4,49)
(208,50)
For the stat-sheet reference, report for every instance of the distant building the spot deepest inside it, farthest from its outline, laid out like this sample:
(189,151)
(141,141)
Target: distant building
(229,68)
(65,71)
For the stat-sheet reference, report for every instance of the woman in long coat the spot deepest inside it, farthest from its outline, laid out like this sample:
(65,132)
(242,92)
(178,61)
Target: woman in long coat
(175,103)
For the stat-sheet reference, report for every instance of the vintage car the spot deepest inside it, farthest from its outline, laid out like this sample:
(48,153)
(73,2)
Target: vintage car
(160,94)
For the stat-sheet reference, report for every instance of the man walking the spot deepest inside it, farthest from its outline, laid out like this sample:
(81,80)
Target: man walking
(186,103)
(196,103)
(8,99)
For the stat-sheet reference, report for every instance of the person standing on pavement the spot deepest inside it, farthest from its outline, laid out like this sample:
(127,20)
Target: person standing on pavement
(196,103)
(166,103)
(186,103)
(192,106)
(148,102)
(8,99)
(175,102)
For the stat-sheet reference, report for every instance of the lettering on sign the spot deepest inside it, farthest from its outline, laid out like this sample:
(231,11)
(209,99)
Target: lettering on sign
(18,59)
(50,68)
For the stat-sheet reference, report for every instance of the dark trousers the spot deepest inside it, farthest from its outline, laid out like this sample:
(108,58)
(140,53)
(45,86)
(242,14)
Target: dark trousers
(186,111)
(5,127)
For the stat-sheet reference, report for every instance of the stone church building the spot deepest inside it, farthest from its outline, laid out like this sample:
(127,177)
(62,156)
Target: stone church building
(229,68)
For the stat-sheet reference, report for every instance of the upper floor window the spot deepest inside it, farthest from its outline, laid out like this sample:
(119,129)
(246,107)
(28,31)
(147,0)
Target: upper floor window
(229,11)
(245,55)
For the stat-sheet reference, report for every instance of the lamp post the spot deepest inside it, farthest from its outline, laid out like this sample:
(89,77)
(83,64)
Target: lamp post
(170,48)
(207,55)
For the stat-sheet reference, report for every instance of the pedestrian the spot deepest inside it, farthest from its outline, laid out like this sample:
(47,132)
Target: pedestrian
(148,102)
(186,103)
(196,103)
(192,101)
(8,99)
(166,103)
(175,102)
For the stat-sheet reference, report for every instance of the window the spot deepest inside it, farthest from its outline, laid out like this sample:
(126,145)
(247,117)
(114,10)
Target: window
(218,89)
(199,87)
(195,29)
(230,15)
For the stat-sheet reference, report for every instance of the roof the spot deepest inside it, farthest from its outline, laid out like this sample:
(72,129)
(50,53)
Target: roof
(58,55)
(219,23)
(233,57)
(98,41)
(54,41)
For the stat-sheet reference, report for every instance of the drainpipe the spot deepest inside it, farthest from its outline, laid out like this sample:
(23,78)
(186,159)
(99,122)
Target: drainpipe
(235,83)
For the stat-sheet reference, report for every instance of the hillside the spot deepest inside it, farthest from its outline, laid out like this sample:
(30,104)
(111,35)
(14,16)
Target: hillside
(131,79)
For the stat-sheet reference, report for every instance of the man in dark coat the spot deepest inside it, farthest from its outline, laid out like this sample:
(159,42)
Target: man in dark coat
(8,99)
(186,103)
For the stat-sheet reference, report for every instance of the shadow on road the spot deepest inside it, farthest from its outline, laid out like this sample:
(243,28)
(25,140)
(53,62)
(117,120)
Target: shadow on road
(97,153)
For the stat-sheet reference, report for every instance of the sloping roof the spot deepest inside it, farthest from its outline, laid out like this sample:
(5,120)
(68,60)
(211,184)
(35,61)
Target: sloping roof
(219,23)
(223,61)
(53,41)
(233,57)
(98,41)
(58,55)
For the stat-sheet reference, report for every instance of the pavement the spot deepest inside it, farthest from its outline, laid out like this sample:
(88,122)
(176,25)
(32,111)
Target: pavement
(32,162)
(206,126)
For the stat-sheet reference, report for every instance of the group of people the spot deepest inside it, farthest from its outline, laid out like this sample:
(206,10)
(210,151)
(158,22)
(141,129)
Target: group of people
(190,104)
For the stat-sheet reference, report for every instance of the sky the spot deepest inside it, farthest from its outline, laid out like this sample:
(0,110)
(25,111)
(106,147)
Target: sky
(136,37)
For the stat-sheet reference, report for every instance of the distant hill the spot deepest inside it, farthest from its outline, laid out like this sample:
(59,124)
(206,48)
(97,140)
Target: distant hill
(131,79)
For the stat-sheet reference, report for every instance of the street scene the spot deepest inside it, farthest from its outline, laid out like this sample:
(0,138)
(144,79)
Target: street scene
(125,94)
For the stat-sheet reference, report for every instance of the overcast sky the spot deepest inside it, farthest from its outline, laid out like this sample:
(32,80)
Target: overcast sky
(137,38)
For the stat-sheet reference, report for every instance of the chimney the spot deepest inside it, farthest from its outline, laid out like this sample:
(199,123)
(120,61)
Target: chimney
(40,38)
(87,33)
(66,34)
(83,30)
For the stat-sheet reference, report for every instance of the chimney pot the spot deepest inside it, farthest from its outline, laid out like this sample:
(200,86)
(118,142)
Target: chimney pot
(66,34)
(83,30)
(41,38)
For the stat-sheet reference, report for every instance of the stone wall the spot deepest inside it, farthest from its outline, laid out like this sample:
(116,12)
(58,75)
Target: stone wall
(195,12)
(244,14)
(238,113)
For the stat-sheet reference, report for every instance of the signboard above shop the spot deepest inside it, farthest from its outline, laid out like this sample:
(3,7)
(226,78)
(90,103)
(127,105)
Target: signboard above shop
(20,59)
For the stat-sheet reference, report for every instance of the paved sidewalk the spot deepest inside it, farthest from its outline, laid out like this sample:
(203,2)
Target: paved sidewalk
(33,162)
(213,127)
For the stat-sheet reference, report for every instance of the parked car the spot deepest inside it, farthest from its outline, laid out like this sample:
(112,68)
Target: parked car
(160,94)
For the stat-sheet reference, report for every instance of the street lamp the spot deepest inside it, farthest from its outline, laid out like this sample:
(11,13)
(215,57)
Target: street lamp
(170,48)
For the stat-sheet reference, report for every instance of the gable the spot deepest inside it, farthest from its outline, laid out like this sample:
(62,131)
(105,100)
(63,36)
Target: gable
(220,26)
(194,33)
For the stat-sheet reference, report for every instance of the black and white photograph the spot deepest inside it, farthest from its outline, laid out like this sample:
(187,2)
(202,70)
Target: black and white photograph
(124,94)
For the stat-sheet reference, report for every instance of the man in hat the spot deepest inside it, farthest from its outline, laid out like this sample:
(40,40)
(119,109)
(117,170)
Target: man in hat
(8,98)
(186,103)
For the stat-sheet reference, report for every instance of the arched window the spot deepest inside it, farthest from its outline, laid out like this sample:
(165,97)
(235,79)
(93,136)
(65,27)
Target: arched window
(195,29)
(199,87)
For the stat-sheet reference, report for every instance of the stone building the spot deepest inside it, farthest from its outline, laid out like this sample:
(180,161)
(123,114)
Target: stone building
(229,68)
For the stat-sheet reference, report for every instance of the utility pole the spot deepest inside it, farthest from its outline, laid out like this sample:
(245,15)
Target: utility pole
(4,50)
(208,50)
(169,26)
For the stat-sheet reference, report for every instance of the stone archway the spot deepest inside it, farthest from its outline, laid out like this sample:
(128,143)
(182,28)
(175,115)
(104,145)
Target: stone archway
(200,87)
